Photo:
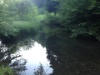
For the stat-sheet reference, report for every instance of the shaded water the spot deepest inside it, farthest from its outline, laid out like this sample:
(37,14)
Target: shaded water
(73,56)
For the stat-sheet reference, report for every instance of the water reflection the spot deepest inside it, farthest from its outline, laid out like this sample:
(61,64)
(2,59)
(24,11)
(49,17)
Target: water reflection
(35,56)
(18,66)
(6,58)
(72,57)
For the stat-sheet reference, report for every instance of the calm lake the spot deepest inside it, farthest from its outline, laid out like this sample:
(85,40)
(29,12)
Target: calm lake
(59,56)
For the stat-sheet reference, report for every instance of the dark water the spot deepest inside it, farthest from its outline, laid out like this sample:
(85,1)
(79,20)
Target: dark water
(73,56)
(60,56)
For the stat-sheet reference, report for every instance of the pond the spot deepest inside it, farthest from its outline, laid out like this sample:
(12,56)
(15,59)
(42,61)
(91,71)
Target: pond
(58,56)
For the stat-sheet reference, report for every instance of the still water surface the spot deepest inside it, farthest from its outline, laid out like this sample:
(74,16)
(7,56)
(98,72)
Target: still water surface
(35,56)
(66,56)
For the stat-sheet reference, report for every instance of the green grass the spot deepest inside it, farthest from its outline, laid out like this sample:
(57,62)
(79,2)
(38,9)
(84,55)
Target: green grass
(41,17)
(21,24)
(28,25)
(6,71)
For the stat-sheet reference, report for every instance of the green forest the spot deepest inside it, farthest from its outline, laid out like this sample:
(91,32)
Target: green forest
(42,19)
(51,17)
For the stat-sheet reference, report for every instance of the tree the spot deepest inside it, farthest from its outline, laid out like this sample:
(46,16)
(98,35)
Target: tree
(39,3)
(23,8)
(81,16)
(51,5)
(6,26)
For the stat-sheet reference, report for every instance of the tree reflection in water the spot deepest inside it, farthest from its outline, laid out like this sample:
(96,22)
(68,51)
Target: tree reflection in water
(40,71)
(6,59)
(73,57)
(19,66)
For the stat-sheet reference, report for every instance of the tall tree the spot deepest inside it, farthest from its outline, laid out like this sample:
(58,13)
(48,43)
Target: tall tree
(39,3)
(51,5)
(6,26)
(81,16)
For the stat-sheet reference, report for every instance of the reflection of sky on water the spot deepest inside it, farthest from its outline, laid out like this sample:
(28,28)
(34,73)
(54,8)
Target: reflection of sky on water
(34,56)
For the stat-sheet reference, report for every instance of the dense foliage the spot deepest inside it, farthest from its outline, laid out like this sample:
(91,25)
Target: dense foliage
(17,18)
(45,19)
(80,17)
